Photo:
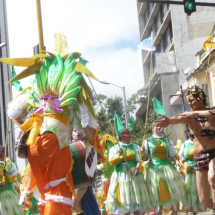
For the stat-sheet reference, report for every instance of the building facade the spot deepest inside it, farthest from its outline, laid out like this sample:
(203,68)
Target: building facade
(5,75)
(177,38)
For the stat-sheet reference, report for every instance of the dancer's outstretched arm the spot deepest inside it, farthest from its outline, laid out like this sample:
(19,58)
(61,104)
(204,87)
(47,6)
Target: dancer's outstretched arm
(172,121)
(204,113)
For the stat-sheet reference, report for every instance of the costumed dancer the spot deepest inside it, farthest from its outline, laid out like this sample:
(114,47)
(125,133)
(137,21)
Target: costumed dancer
(164,183)
(84,202)
(182,169)
(9,200)
(127,193)
(27,198)
(59,99)
(107,141)
(186,154)
(201,123)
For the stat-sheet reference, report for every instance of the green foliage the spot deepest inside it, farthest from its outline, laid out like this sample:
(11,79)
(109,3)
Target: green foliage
(112,105)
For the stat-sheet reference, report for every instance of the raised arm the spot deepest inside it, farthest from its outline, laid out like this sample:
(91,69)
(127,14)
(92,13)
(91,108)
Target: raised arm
(174,120)
(204,113)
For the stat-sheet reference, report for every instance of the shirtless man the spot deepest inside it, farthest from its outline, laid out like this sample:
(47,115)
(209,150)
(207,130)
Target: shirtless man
(202,132)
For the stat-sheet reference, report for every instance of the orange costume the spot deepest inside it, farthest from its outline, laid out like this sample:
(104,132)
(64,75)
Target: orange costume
(61,99)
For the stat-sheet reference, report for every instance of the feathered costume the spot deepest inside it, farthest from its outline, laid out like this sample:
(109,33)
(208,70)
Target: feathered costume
(61,100)
(8,195)
(186,154)
(107,141)
(164,183)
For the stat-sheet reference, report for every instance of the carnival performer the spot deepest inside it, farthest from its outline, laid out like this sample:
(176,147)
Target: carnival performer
(30,205)
(59,99)
(9,201)
(27,198)
(127,193)
(201,123)
(107,141)
(186,154)
(84,202)
(164,183)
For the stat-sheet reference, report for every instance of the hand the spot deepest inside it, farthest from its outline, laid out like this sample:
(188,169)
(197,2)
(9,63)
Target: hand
(1,184)
(189,168)
(136,171)
(178,163)
(120,151)
(163,123)
(142,149)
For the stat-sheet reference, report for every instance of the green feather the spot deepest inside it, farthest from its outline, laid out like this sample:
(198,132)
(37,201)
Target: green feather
(55,74)
(71,93)
(48,62)
(64,83)
(35,88)
(68,60)
(73,83)
(68,72)
(42,79)
(68,102)
(33,95)
(32,103)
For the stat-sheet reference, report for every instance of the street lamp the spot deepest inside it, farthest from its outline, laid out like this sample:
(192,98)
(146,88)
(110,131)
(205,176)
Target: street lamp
(2,45)
(124,96)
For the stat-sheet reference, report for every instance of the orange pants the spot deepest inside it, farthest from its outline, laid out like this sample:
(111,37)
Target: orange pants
(106,185)
(49,163)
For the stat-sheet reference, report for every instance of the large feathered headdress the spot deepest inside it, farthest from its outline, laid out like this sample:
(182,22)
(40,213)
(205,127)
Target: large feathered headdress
(57,79)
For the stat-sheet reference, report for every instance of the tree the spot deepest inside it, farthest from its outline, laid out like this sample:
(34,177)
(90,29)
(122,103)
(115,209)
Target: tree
(112,105)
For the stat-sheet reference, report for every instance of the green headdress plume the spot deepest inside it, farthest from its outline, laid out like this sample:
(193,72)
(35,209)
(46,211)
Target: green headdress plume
(58,79)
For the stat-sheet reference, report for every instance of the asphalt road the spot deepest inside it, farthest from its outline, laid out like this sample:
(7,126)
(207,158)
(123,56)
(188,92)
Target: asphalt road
(199,213)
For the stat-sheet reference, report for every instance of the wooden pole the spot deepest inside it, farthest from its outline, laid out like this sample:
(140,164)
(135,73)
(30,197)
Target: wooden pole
(40,26)
(6,140)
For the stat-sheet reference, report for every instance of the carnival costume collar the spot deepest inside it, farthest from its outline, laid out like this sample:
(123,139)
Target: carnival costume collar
(125,144)
(154,136)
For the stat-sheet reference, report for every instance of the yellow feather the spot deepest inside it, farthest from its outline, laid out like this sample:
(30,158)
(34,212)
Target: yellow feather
(25,62)
(39,55)
(60,44)
(79,67)
(31,70)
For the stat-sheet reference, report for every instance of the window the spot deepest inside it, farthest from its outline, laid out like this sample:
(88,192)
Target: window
(165,40)
(161,12)
(154,29)
(162,46)
(157,22)
(146,17)
(153,62)
(164,8)
(158,48)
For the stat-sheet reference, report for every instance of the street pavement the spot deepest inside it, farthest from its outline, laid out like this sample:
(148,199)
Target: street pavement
(199,213)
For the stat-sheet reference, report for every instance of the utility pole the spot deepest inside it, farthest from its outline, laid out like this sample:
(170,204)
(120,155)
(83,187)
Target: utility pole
(40,26)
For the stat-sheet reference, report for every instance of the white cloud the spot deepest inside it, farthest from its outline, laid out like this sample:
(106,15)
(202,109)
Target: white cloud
(89,26)
(92,28)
